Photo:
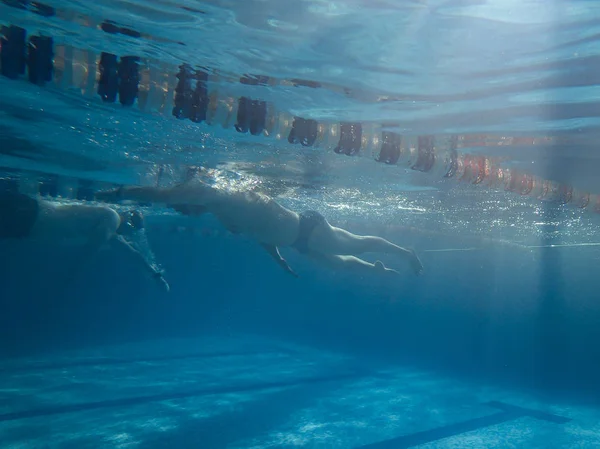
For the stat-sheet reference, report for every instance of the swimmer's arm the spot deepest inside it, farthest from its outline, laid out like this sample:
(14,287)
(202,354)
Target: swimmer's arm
(140,194)
(274,253)
(179,194)
(156,274)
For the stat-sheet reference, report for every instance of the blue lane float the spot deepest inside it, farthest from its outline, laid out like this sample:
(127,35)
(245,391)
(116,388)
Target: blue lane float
(129,79)
(191,94)
(108,84)
(251,116)
(304,132)
(40,59)
(390,148)
(350,139)
(13,58)
(426,154)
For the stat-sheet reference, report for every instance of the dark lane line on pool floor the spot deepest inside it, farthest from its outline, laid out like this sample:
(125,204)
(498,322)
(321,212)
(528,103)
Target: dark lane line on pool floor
(508,413)
(205,391)
(123,361)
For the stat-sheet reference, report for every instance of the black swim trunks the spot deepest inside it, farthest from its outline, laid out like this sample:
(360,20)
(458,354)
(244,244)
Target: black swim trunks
(309,220)
(18,213)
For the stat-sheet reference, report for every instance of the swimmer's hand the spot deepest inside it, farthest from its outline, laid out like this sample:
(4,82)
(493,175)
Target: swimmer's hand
(288,269)
(274,253)
(162,282)
(165,285)
(415,263)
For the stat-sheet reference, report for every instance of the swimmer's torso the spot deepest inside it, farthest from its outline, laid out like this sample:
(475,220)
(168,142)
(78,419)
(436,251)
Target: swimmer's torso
(257,216)
(241,211)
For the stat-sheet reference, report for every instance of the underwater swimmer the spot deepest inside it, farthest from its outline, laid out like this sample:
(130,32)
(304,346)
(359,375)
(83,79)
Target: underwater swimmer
(25,217)
(272,225)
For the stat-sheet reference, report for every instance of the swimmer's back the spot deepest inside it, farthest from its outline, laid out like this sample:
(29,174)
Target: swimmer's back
(258,216)
(73,222)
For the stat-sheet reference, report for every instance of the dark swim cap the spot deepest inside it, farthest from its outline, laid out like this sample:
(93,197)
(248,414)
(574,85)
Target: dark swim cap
(132,220)
(136,219)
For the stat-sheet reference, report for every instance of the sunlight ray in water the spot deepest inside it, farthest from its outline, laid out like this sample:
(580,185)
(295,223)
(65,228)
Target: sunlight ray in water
(364,224)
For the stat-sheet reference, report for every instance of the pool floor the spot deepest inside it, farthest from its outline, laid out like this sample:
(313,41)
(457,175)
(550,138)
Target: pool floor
(251,392)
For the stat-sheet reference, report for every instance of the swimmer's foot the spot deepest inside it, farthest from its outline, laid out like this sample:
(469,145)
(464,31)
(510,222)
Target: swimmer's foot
(415,263)
(381,268)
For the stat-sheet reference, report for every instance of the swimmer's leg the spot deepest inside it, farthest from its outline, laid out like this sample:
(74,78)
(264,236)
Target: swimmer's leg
(354,264)
(330,240)
(189,193)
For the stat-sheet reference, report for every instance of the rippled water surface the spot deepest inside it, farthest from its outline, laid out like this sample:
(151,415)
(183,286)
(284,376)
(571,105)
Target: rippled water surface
(501,67)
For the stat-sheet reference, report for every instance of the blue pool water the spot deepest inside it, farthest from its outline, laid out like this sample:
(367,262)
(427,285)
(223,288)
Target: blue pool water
(466,130)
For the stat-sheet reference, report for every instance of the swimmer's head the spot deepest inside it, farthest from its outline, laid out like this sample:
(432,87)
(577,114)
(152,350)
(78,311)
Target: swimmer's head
(131,221)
